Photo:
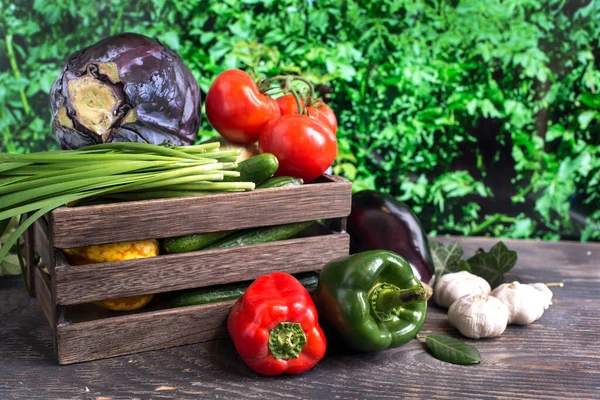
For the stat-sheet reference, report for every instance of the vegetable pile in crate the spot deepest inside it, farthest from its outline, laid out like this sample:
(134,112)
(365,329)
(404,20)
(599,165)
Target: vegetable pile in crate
(86,332)
(143,234)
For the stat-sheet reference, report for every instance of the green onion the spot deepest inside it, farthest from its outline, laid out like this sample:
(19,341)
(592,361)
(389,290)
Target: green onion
(156,194)
(81,156)
(12,166)
(199,148)
(39,182)
(79,173)
(213,186)
(141,148)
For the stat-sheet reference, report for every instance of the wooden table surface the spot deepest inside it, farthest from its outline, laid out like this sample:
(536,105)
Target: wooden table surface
(556,357)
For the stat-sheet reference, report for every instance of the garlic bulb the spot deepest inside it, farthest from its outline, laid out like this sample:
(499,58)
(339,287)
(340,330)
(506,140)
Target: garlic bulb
(451,287)
(542,287)
(478,316)
(526,303)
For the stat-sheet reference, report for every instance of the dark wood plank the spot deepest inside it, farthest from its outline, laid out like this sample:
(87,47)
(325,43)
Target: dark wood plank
(29,257)
(153,330)
(91,312)
(86,283)
(553,261)
(43,247)
(109,223)
(555,358)
(44,295)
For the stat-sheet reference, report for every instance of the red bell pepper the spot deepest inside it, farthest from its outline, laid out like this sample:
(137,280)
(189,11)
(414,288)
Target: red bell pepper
(274,326)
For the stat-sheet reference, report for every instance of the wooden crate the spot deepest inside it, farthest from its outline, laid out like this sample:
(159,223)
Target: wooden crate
(83,332)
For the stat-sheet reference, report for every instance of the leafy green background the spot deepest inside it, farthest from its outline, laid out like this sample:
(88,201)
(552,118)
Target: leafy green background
(482,115)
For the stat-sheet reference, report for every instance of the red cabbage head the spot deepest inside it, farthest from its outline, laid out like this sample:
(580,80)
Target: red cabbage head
(125,88)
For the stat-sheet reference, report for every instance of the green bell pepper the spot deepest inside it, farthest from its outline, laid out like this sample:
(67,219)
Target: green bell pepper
(372,299)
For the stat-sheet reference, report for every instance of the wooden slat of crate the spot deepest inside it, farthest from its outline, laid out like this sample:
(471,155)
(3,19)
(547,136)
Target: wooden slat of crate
(129,334)
(44,295)
(136,220)
(87,283)
(30,257)
(43,246)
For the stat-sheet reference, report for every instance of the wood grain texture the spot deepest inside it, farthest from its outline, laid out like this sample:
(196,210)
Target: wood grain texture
(43,248)
(86,283)
(557,357)
(44,295)
(104,334)
(152,330)
(28,252)
(109,223)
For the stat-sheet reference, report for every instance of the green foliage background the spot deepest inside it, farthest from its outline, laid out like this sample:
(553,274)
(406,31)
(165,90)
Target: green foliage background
(483,115)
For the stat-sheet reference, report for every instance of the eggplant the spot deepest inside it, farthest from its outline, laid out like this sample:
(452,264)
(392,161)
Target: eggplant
(380,222)
(125,88)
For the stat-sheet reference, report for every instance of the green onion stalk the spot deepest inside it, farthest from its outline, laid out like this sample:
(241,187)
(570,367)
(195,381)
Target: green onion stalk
(37,183)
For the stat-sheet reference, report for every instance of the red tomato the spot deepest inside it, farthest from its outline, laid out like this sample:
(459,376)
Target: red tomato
(305,147)
(320,111)
(287,104)
(237,109)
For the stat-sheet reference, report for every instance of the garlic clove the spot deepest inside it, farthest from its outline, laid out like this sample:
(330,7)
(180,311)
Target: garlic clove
(451,287)
(546,291)
(479,316)
(525,303)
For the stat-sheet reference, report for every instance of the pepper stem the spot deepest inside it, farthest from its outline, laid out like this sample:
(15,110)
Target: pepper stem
(428,290)
(287,340)
(386,299)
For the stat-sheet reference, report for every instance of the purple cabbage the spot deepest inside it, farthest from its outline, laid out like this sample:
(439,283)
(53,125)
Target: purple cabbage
(125,88)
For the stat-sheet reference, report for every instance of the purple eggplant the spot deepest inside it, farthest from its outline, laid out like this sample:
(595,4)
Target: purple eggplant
(125,88)
(379,221)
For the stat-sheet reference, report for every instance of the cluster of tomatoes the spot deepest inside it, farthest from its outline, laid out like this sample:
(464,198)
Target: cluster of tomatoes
(301,135)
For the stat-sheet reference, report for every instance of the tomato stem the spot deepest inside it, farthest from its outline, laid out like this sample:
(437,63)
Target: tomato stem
(252,74)
(311,88)
(266,83)
(297,98)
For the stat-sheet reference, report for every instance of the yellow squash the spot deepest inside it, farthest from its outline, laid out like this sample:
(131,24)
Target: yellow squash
(116,252)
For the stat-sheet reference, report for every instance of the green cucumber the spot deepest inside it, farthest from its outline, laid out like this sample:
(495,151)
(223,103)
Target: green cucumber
(206,295)
(233,291)
(281,181)
(256,169)
(261,235)
(184,244)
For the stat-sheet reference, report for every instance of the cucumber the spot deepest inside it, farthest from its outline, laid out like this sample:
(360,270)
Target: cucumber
(233,291)
(261,235)
(206,295)
(183,244)
(256,169)
(281,181)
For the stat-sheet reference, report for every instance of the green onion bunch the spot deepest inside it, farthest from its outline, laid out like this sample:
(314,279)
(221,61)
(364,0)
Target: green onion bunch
(40,182)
